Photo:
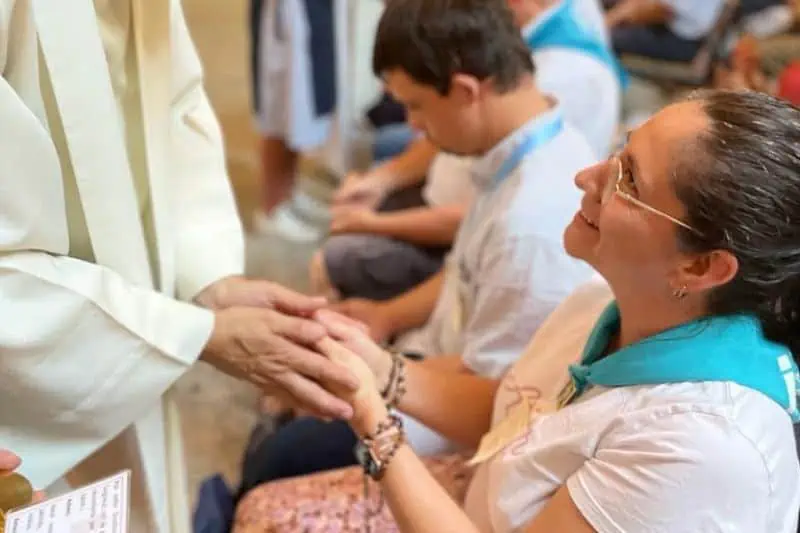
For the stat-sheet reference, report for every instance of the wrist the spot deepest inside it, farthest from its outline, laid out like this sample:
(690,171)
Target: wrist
(212,296)
(395,383)
(370,222)
(386,177)
(381,324)
(383,373)
(369,414)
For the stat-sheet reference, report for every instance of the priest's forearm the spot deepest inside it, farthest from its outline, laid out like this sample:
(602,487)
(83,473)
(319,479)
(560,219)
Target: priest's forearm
(89,354)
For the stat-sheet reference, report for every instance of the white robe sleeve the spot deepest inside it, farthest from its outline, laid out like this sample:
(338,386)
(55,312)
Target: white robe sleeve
(82,352)
(209,240)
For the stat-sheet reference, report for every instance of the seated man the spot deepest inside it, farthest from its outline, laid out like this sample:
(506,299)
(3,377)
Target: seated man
(671,30)
(380,254)
(508,268)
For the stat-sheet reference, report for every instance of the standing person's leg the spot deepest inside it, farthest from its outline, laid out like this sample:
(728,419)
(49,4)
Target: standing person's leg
(656,42)
(295,96)
(270,61)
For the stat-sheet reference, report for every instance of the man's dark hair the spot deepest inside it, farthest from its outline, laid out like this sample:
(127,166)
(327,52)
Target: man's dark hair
(740,186)
(431,40)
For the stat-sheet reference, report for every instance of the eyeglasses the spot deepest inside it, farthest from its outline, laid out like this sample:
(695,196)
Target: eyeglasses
(617,184)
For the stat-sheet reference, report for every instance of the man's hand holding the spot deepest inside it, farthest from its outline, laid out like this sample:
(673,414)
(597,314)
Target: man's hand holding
(276,352)
(353,219)
(362,190)
(238,291)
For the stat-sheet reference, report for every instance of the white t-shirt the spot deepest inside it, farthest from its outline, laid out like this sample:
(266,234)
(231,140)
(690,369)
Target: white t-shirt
(675,458)
(449,181)
(508,269)
(588,89)
(693,19)
(590,12)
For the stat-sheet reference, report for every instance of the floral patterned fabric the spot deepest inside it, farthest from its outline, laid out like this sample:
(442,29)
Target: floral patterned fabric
(333,502)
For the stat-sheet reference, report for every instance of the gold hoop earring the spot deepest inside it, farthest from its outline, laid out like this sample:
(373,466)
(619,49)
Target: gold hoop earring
(680,293)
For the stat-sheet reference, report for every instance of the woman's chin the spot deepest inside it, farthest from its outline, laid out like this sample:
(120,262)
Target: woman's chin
(578,242)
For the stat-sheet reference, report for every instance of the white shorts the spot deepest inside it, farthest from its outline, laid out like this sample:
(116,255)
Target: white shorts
(294,70)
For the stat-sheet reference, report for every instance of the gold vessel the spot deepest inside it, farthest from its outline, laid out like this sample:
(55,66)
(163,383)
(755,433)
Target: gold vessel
(15,491)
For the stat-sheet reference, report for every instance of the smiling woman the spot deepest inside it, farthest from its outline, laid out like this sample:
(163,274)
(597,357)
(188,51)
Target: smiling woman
(639,398)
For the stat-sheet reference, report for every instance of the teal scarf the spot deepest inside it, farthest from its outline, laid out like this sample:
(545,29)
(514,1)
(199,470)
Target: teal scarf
(726,348)
(561,29)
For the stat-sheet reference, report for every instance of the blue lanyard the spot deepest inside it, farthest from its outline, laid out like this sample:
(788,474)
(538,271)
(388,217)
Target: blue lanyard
(532,140)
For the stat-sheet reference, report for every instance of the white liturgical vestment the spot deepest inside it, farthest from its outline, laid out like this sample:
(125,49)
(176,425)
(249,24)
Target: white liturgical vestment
(114,204)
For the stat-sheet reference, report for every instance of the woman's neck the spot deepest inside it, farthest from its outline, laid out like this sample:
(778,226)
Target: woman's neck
(645,316)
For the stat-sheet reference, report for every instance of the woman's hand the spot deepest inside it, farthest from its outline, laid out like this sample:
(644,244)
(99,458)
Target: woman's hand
(370,313)
(355,338)
(351,346)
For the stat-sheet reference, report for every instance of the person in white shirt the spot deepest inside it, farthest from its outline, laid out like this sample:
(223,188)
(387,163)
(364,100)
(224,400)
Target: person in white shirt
(508,269)
(659,399)
(671,30)
(380,253)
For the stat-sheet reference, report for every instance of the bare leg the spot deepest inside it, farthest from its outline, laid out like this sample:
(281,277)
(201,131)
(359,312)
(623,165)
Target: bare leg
(278,167)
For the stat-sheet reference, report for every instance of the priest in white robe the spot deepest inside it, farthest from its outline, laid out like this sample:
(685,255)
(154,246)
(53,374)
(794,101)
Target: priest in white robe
(117,228)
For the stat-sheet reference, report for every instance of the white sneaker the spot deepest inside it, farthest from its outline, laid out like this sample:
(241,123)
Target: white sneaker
(311,209)
(286,224)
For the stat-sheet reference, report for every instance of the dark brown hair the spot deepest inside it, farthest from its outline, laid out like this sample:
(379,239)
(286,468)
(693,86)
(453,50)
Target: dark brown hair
(741,189)
(431,40)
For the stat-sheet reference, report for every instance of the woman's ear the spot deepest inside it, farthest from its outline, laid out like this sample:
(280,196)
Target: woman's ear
(708,270)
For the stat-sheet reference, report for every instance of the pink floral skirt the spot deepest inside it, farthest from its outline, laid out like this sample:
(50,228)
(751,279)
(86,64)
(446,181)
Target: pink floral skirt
(333,502)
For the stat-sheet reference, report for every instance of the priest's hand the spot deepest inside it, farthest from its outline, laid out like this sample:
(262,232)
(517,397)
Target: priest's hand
(235,291)
(275,352)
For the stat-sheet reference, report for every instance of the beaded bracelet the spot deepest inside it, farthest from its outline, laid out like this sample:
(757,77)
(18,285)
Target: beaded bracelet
(396,387)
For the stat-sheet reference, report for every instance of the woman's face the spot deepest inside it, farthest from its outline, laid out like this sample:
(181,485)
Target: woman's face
(626,225)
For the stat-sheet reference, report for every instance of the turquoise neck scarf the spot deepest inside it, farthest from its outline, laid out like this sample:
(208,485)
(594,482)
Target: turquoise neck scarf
(724,348)
(561,29)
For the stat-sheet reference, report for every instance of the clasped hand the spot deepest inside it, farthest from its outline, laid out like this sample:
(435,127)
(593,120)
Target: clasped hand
(288,345)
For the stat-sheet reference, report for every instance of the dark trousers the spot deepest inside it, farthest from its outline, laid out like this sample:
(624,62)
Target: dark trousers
(656,42)
(302,446)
